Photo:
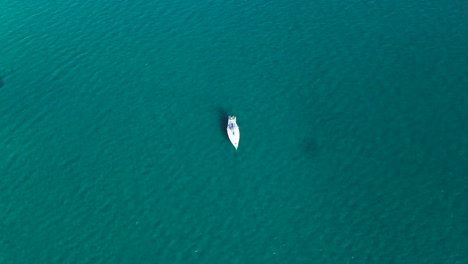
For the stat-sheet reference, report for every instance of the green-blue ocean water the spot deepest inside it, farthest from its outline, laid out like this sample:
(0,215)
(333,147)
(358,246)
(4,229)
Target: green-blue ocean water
(353,118)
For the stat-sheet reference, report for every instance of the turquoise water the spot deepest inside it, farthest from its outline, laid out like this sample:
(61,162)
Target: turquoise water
(353,118)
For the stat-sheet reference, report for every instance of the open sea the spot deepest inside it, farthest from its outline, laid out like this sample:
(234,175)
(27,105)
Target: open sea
(353,117)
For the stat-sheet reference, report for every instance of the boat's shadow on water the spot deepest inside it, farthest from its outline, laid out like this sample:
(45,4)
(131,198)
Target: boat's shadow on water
(223,121)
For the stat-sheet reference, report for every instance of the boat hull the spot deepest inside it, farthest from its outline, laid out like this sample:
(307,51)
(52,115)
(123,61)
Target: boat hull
(233,131)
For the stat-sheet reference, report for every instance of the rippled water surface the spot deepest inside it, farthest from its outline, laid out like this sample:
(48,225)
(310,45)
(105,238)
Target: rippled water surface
(353,118)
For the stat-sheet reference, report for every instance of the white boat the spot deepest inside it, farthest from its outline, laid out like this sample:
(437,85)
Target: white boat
(233,131)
